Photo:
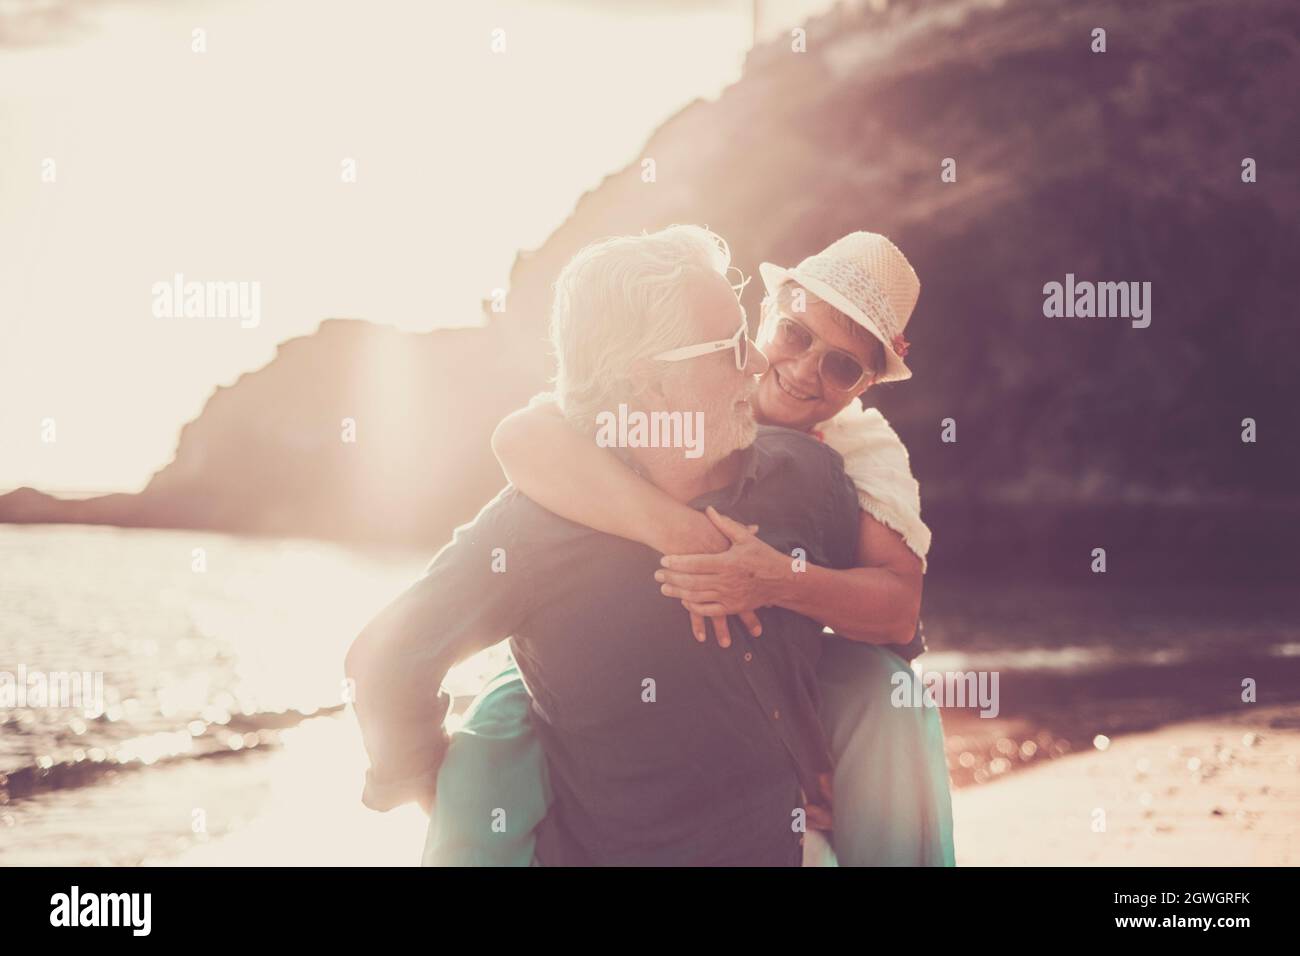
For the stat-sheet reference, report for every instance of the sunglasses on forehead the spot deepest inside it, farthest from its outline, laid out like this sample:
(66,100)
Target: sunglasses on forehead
(739,342)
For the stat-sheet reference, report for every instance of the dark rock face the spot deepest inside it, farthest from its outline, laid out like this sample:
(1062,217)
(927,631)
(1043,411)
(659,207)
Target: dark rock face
(1073,433)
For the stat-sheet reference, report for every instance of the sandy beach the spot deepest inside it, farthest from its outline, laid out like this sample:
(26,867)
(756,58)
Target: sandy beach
(1217,791)
(1222,791)
(251,401)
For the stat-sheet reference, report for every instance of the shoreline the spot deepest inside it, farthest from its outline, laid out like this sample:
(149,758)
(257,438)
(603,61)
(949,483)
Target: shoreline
(1211,791)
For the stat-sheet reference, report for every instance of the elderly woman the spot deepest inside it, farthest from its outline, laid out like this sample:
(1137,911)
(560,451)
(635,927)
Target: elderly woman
(831,328)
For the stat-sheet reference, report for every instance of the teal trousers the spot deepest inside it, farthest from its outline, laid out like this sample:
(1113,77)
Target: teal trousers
(892,805)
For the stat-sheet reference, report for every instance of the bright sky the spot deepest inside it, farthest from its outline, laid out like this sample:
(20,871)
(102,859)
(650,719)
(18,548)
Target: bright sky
(226,165)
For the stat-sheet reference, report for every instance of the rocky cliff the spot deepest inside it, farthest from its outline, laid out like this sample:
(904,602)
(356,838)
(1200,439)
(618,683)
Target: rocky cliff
(1071,433)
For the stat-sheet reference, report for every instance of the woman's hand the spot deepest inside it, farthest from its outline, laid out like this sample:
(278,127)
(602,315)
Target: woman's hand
(746,576)
(690,532)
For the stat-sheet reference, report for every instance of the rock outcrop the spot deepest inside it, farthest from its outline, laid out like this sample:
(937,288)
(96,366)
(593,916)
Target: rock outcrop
(1071,433)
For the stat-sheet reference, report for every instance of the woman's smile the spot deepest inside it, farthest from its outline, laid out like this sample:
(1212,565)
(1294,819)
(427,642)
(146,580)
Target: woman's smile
(797,394)
(780,401)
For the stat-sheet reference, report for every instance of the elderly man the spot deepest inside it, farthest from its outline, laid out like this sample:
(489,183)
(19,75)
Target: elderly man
(660,750)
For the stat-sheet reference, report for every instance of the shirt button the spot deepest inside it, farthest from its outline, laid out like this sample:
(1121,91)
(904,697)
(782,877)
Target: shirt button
(748,657)
(776,715)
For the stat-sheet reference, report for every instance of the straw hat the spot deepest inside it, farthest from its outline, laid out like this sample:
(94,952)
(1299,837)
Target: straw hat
(866,277)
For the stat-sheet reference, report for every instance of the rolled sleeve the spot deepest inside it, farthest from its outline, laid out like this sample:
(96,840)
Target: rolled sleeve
(470,597)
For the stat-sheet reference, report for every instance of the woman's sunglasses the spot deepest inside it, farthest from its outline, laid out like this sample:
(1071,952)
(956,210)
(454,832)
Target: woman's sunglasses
(739,342)
(839,370)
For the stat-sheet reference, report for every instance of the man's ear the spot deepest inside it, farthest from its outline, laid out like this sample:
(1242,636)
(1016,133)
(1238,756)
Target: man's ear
(645,383)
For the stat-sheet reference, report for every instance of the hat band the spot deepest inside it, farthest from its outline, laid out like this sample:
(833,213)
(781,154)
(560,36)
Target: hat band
(876,310)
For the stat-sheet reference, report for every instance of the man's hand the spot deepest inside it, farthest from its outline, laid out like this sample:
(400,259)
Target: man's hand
(720,631)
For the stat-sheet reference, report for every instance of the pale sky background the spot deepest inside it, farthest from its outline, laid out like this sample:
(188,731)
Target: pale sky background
(226,166)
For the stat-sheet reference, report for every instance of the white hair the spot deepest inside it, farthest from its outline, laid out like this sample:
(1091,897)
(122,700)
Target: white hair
(620,301)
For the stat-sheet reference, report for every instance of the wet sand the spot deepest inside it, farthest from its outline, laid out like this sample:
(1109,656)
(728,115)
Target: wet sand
(1206,792)
(1222,791)
(310,812)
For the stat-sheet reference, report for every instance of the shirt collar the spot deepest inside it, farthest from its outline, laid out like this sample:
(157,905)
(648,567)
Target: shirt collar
(755,463)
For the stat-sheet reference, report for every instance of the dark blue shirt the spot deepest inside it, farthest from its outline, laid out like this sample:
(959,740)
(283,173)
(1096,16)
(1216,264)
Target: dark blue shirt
(661,750)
